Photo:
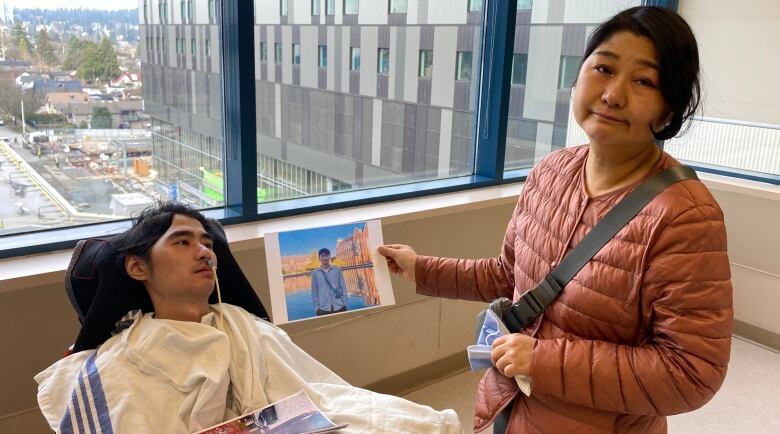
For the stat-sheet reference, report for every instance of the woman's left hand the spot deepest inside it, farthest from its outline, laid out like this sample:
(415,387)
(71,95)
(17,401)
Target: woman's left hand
(511,354)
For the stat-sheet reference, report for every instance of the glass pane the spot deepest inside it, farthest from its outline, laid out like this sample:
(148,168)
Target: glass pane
(342,127)
(383,62)
(330,7)
(426,63)
(475,5)
(315,7)
(296,54)
(283,7)
(322,60)
(545,63)
(398,6)
(277,53)
(463,66)
(350,7)
(93,128)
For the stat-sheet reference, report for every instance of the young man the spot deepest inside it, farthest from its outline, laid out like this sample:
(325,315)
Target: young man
(328,287)
(180,369)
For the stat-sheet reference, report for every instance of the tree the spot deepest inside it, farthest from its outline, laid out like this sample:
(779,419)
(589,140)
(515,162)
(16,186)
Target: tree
(21,41)
(99,62)
(11,100)
(74,54)
(44,48)
(101,118)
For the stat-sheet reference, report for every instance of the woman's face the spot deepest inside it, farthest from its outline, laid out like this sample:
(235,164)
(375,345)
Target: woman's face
(617,99)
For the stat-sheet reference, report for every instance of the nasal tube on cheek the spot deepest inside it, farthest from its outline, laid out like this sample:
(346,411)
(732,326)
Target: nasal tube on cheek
(219,295)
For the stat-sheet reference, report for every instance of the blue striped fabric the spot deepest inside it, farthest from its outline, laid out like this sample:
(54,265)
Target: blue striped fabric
(88,401)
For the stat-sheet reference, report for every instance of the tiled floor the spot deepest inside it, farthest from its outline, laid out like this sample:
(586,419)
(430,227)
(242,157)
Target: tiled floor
(746,403)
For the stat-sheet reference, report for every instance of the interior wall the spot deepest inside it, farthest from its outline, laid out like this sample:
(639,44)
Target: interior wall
(738,46)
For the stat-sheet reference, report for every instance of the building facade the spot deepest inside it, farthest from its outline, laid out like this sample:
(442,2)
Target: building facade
(358,93)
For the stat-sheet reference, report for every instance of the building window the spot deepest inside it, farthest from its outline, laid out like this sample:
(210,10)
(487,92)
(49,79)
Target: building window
(524,4)
(519,68)
(208,47)
(330,7)
(212,9)
(159,47)
(570,67)
(383,61)
(354,58)
(277,53)
(283,7)
(296,54)
(263,52)
(397,6)
(164,46)
(350,7)
(322,56)
(475,5)
(463,66)
(193,47)
(189,11)
(315,7)
(426,63)
(182,11)
(146,11)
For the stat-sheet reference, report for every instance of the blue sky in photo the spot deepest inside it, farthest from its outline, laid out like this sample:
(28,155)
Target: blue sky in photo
(302,242)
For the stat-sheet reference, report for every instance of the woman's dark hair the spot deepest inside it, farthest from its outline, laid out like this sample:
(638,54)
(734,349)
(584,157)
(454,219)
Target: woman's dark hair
(677,53)
(150,225)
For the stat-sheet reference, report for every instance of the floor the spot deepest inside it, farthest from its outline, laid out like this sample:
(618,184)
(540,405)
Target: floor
(746,403)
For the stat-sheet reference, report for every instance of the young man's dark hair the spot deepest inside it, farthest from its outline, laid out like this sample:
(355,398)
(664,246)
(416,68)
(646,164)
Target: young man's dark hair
(150,225)
(323,251)
(677,53)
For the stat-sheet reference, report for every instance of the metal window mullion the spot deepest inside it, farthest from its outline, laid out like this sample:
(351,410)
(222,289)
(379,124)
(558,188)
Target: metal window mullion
(238,69)
(498,35)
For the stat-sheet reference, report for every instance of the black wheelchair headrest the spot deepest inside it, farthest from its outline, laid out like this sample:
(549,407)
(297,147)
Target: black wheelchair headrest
(102,293)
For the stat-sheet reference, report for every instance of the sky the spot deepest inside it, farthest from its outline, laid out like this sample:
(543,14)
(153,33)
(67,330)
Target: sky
(304,241)
(75,4)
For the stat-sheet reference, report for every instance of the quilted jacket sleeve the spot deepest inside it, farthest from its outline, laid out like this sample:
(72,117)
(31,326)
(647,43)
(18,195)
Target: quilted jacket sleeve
(470,279)
(687,305)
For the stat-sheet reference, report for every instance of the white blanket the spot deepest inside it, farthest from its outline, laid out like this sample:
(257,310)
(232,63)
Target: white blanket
(163,376)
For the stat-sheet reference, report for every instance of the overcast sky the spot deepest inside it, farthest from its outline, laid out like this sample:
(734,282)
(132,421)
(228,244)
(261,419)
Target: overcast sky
(75,4)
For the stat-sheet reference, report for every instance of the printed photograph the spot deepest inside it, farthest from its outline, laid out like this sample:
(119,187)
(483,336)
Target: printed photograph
(327,270)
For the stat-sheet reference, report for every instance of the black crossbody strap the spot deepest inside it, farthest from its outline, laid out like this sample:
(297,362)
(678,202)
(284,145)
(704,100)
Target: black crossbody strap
(533,303)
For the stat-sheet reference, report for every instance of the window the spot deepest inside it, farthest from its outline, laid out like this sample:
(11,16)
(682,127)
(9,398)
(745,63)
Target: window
(189,10)
(330,7)
(208,47)
(354,58)
(212,9)
(264,52)
(296,54)
(182,10)
(426,63)
(322,56)
(570,67)
(283,8)
(164,46)
(519,68)
(397,6)
(277,53)
(463,66)
(350,7)
(193,47)
(146,11)
(315,7)
(524,4)
(383,61)
(475,5)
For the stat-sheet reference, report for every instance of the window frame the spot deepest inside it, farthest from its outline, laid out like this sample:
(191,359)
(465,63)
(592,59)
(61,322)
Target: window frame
(296,56)
(322,56)
(421,65)
(459,65)
(525,69)
(353,64)
(344,7)
(318,8)
(278,56)
(390,7)
(330,7)
(236,19)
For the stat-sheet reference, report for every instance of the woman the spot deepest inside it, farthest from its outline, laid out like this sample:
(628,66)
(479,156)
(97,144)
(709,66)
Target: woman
(643,330)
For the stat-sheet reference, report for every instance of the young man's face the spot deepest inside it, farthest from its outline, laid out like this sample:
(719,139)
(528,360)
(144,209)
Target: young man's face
(177,268)
(325,260)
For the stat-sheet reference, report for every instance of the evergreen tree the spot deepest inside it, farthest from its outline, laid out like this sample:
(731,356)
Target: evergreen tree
(21,41)
(74,54)
(99,61)
(44,48)
(101,118)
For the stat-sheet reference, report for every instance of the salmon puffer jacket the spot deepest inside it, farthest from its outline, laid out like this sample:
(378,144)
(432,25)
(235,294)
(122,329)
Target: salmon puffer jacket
(641,332)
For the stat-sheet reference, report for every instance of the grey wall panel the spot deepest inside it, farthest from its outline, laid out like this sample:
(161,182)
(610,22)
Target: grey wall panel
(542,77)
(426,37)
(322,78)
(573,43)
(444,58)
(382,82)
(369,41)
(466,38)
(522,33)
(562,102)
(396,19)
(354,82)
(462,95)
(516,99)
(424,86)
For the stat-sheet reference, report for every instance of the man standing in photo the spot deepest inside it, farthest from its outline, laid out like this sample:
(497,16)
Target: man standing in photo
(328,287)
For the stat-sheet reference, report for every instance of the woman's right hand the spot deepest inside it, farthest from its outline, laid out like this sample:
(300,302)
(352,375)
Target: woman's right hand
(400,259)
